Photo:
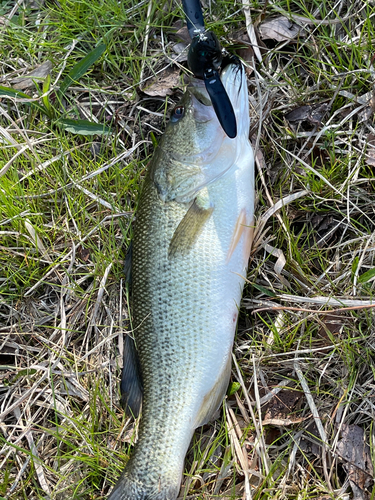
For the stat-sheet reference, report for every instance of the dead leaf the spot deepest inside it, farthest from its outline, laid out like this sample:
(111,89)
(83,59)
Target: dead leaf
(280,410)
(83,253)
(271,435)
(183,34)
(356,456)
(311,442)
(279,254)
(247,55)
(283,422)
(280,28)
(367,113)
(312,114)
(325,229)
(240,37)
(317,113)
(299,114)
(181,49)
(370,156)
(27,81)
(245,50)
(163,83)
(330,323)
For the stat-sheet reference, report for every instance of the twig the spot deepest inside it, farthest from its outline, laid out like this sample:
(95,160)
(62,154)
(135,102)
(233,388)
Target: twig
(302,309)
(317,419)
(70,50)
(145,43)
(360,260)
(241,455)
(276,207)
(250,30)
(261,443)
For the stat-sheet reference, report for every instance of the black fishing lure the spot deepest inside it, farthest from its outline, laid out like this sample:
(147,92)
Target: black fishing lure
(205,58)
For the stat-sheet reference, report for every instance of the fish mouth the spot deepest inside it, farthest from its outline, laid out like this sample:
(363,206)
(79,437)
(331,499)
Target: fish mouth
(233,78)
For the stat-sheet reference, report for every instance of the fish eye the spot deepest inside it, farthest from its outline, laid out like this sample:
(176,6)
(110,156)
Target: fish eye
(177,113)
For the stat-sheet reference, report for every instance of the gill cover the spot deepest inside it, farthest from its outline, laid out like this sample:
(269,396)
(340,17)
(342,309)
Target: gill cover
(195,151)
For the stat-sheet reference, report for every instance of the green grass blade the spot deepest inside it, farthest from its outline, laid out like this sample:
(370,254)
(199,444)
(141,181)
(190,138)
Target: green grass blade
(83,127)
(8,91)
(367,275)
(45,99)
(17,94)
(81,68)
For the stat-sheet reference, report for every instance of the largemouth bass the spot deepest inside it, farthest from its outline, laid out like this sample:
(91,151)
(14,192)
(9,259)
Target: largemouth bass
(191,248)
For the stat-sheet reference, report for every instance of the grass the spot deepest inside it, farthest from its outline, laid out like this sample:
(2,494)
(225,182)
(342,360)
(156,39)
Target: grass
(67,203)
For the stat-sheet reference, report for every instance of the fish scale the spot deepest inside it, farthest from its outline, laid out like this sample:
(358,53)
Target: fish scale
(185,301)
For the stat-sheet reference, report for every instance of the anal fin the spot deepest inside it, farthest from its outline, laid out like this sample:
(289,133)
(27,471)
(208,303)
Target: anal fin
(213,399)
(131,380)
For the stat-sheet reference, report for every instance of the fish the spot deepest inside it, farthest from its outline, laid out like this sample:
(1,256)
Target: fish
(192,240)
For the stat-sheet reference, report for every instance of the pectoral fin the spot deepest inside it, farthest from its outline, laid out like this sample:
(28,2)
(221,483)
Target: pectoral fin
(131,381)
(213,399)
(191,226)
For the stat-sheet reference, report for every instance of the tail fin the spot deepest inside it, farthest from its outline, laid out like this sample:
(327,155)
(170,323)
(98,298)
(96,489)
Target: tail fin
(127,488)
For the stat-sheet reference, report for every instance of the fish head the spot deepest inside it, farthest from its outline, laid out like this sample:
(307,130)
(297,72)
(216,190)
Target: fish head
(194,150)
(193,125)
